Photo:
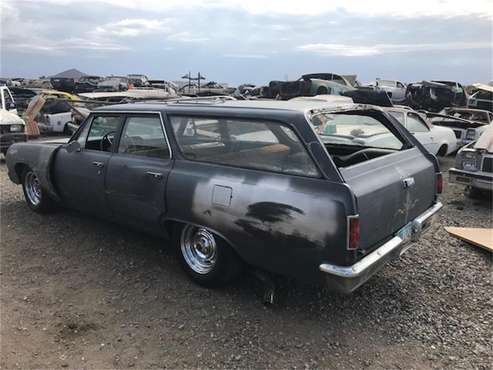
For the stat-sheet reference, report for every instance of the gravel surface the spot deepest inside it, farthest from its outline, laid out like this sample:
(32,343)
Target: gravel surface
(77,292)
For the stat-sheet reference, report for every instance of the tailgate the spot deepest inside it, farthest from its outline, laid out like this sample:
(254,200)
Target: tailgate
(390,191)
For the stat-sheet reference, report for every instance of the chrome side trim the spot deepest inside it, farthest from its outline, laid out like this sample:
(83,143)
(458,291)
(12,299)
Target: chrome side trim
(360,267)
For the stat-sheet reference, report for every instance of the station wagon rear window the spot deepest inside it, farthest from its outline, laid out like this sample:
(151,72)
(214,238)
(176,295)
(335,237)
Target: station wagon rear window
(243,143)
(353,130)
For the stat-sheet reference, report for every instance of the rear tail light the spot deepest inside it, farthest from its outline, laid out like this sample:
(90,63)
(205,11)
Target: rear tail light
(439,182)
(353,233)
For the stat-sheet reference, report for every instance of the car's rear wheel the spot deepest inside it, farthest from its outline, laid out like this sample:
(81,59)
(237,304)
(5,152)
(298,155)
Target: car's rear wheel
(205,257)
(36,197)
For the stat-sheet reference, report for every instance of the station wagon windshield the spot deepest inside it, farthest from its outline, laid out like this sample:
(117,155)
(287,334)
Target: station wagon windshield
(354,130)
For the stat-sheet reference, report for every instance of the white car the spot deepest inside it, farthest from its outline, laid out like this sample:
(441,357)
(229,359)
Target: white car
(468,124)
(55,117)
(437,140)
(12,130)
(396,90)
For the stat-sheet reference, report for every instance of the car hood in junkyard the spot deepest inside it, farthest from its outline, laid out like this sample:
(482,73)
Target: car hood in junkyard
(485,141)
(7,118)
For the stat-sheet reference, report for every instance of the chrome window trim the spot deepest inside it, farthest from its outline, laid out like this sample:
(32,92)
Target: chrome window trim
(122,112)
(293,128)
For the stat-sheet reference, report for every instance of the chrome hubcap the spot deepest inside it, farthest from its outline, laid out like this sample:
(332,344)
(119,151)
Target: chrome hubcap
(33,188)
(199,249)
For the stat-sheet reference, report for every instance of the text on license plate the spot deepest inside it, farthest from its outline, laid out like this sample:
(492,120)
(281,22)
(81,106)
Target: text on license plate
(463,179)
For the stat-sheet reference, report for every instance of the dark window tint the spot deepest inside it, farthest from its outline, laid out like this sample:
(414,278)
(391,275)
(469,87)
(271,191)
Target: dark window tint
(144,136)
(102,133)
(243,143)
(415,124)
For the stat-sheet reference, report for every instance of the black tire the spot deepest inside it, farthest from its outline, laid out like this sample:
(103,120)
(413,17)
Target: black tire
(475,193)
(66,130)
(226,266)
(442,152)
(36,197)
(322,91)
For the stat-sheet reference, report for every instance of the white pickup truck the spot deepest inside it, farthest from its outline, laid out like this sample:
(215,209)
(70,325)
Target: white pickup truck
(12,127)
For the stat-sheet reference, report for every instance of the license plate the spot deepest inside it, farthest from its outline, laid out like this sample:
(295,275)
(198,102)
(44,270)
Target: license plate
(464,180)
(15,128)
(406,233)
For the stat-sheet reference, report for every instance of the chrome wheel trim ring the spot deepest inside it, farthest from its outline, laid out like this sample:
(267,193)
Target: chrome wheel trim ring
(199,249)
(33,188)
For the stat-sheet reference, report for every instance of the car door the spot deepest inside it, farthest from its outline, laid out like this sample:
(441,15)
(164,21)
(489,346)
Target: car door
(416,126)
(138,172)
(80,175)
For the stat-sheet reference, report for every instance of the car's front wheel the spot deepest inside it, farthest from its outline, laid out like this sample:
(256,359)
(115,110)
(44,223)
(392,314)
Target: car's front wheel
(205,257)
(36,197)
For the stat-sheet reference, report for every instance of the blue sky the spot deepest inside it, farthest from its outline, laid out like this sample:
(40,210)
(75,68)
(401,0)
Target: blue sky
(249,41)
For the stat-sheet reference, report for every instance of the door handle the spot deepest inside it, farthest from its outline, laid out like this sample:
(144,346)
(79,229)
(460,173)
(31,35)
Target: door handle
(98,164)
(156,175)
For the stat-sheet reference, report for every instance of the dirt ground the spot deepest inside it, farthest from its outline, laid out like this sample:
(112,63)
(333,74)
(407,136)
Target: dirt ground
(77,292)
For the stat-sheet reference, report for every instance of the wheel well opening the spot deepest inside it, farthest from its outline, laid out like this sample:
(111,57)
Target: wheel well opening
(443,150)
(19,169)
(169,225)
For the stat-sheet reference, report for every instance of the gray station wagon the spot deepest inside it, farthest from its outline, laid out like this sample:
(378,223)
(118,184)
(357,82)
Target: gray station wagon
(305,189)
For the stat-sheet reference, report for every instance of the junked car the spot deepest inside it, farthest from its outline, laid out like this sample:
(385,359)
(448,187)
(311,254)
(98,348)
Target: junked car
(113,83)
(309,85)
(12,130)
(281,186)
(474,164)
(396,90)
(438,140)
(138,80)
(468,124)
(433,96)
(55,116)
(482,98)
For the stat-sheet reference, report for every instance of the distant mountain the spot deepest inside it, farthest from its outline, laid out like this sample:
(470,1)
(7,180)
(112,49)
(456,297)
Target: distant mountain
(70,73)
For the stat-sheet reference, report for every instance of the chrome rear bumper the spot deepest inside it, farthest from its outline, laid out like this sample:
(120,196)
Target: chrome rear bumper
(347,278)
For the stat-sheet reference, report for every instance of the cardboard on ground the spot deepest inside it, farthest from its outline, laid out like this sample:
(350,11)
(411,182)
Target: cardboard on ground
(482,238)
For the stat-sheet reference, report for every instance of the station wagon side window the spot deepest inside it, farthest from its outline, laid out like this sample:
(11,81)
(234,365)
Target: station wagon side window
(243,143)
(415,124)
(102,133)
(144,136)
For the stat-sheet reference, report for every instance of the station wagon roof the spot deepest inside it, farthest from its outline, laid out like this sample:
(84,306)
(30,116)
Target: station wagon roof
(250,105)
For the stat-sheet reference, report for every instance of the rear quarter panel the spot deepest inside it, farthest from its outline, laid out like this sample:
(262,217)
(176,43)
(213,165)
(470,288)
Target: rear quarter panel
(285,224)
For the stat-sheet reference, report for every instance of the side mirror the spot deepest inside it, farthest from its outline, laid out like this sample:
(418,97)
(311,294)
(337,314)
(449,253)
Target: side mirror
(12,106)
(73,146)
